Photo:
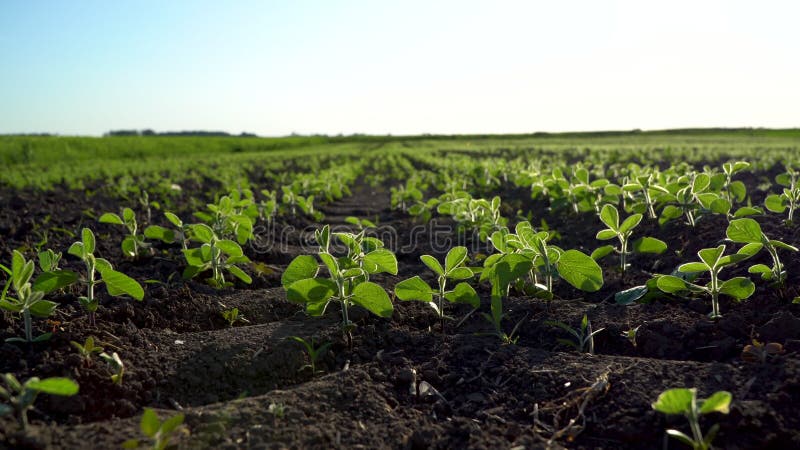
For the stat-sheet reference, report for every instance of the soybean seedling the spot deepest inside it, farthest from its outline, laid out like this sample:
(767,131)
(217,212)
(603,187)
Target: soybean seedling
(18,397)
(609,215)
(232,316)
(116,365)
(713,262)
(748,231)
(789,198)
(87,350)
(133,243)
(684,401)
(348,277)
(168,235)
(160,433)
(759,352)
(455,270)
(583,336)
(214,254)
(100,271)
(29,299)
(501,272)
(314,353)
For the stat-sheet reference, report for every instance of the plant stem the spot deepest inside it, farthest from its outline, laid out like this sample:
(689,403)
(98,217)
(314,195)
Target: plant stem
(715,296)
(26,314)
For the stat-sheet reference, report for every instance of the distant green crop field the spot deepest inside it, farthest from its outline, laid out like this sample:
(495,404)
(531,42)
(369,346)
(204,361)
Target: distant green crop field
(44,161)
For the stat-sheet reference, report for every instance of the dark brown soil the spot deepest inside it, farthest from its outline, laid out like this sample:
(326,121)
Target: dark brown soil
(403,384)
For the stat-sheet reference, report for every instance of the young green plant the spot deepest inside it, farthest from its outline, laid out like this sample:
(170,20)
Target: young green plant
(87,350)
(159,433)
(29,294)
(100,271)
(314,353)
(609,215)
(347,282)
(454,270)
(17,398)
(712,261)
(214,254)
(583,336)
(133,243)
(748,231)
(683,401)
(116,365)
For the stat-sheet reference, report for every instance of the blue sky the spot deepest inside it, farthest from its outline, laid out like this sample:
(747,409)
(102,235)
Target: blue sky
(85,67)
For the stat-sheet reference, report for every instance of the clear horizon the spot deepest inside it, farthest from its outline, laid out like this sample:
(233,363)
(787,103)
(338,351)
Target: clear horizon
(276,68)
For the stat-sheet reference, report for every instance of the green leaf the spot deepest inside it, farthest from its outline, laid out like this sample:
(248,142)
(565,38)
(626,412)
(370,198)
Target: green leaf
(630,223)
(54,386)
(129,246)
(48,282)
(414,288)
(240,274)
(43,308)
(77,249)
(202,232)
(778,244)
(374,298)
(110,218)
(88,240)
(675,401)
(165,235)
(606,234)
(700,183)
(380,260)
(710,256)
(750,249)
(744,231)
(463,293)
(649,245)
(507,269)
(173,219)
(720,206)
(745,211)
(460,273)
(630,296)
(194,257)
(693,267)
(610,216)
(455,257)
(149,423)
(671,284)
(311,290)
(762,269)
(580,270)
(128,216)
(229,247)
(302,267)
(602,252)
(172,423)
(432,264)
(718,402)
(775,203)
(117,283)
(739,288)
(739,190)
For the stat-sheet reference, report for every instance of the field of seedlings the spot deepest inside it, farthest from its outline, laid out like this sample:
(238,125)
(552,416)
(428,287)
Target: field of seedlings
(609,290)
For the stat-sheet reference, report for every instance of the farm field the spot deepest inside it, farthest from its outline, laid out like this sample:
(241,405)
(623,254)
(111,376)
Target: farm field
(441,278)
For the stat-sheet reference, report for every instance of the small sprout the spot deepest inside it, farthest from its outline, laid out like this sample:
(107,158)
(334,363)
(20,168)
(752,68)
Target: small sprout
(215,254)
(17,398)
(86,350)
(232,316)
(684,401)
(630,335)
(116,365)
(160,433)
(583,337)
(759,352)
(278,410)
(314,353)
